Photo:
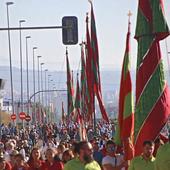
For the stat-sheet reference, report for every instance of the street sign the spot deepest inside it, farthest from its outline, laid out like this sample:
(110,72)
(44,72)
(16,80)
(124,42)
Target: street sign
(70,30)
(22,115)
(28,118)
(13,117)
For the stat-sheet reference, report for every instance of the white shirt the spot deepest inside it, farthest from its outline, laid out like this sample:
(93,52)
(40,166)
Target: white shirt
(113,161)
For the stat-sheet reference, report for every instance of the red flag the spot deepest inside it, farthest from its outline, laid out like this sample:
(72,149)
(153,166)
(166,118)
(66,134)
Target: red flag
(63,114)
(125,128)
(89,73)
(95,66)
(70,89)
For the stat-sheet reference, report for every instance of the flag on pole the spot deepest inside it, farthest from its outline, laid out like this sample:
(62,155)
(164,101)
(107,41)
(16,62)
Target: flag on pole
(95,66)
(89,73)
(78,114)
(84,88)
(63,114)
(77,99)
(125,127)
(152,95)
(70,89)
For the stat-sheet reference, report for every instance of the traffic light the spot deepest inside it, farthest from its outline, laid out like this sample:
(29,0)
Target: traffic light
(2,84)
(70,30)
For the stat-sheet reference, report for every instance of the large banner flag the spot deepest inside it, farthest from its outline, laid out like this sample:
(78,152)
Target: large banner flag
(63,118)
(84,87)
(152,95)
(89,73)
(95,66)
(70,88)
(125,127)
(78,114)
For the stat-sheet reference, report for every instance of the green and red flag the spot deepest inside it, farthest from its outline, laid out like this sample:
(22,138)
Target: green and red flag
(70,88)
(84,88)
(89,73)
(125,127)
(78,115)
(152,95)
(78,98)
(95,66)
(63,114)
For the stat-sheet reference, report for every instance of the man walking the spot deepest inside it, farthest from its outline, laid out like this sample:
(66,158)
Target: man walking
(146,160)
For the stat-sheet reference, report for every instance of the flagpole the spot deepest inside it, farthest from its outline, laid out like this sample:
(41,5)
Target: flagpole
(167,54)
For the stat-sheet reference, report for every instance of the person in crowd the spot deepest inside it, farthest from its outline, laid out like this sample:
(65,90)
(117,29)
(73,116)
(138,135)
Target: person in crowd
(51,163)
(10,146)
(113,161)
(97,154)
(60,150)
(35,162)
(4,165)
(12,157)
(146,160)
(158,142)
(74,148)
(67,156)
(20,163)
(85,160)
(163,157)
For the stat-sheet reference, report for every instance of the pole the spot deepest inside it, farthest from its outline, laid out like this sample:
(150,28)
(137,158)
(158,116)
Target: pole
(46,70)
(48,98)
(42,83)
(34,28)
(42,92)
(34,117)
(46,110)
(166,45)
(20,35)
(39,107)
(38,57)
(28,107)
(10,56)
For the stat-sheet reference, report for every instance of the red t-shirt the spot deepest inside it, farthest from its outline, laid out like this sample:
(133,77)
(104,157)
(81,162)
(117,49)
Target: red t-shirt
(8,166)
(57,165)
(39,165)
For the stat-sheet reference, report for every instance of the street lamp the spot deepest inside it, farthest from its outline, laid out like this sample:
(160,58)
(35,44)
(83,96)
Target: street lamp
(42,81)
(46,70)
(28,107)
(20,35)
(10,55)
(34,48)
(38,62)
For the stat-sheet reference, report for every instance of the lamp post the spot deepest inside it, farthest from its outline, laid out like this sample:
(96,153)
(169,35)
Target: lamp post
(10,55)
(48,98)
(38,62)
(42,83)
(33,59)
(21,71)
(46,70)
(28,107)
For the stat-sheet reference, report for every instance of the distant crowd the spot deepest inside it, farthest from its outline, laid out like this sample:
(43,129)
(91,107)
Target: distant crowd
(59,147)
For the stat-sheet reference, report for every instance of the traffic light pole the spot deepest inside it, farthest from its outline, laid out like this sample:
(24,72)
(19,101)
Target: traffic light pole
(32,28)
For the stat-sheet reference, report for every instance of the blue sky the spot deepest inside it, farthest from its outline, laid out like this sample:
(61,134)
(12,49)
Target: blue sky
(111,19)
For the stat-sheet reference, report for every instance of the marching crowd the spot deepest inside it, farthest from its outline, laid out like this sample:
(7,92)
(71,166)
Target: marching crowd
(54,147)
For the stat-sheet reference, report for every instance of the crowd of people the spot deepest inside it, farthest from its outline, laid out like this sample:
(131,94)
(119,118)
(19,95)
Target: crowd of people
(58,147)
